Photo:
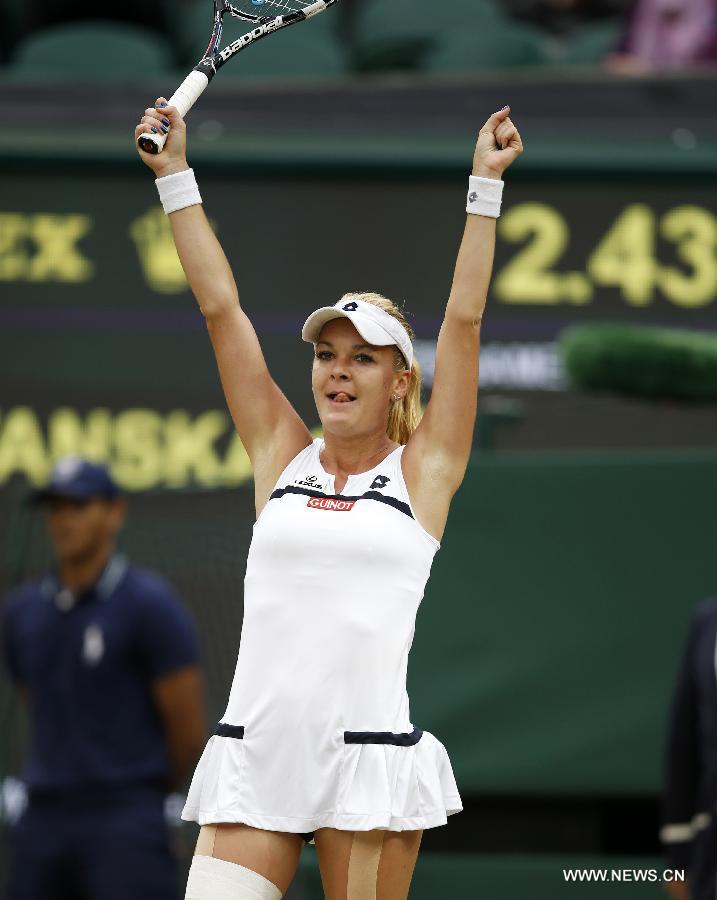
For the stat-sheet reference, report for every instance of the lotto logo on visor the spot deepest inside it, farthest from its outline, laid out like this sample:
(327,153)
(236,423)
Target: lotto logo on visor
(331,503)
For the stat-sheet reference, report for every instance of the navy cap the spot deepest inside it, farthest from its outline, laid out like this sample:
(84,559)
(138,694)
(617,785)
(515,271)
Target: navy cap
(77,479)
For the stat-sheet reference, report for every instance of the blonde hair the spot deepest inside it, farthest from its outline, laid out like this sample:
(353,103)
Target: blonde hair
(404,415)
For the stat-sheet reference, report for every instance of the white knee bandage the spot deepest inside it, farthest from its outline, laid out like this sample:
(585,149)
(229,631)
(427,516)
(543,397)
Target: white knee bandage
(217,879)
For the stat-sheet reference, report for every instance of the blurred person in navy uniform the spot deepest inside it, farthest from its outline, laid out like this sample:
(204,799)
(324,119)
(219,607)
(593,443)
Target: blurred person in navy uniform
(689,826)
(106,659)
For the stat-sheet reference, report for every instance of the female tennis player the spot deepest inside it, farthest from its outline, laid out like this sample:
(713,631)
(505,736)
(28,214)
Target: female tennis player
(317,741)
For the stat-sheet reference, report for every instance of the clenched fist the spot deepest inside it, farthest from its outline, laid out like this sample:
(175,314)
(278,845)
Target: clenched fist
(499,145)
(163,119)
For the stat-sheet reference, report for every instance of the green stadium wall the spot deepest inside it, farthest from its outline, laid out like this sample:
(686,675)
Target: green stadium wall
(548,639)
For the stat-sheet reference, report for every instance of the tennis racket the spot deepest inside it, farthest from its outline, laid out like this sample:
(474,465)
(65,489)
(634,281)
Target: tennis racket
(266,17)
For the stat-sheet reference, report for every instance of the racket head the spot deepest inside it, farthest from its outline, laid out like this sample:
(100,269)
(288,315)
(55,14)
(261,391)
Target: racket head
(263,10)
(263,17)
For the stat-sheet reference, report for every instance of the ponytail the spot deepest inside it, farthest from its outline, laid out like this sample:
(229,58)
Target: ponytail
(405,414)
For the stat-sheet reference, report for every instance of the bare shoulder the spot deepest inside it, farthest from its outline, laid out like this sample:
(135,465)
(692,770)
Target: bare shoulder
(269,464)
(428,488)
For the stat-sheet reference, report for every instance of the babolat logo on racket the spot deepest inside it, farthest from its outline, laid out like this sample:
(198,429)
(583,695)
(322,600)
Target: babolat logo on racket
(251,36)
(331,503)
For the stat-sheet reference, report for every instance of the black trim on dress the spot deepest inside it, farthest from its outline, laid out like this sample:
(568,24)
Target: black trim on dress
(369,495)
(383,737)
(232,731)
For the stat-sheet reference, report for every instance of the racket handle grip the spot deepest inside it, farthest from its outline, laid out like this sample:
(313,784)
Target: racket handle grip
(183,99)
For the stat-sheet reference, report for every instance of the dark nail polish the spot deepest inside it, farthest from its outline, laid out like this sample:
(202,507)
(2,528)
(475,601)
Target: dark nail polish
(164,129)
(155,130)
(162,105)
(165,121)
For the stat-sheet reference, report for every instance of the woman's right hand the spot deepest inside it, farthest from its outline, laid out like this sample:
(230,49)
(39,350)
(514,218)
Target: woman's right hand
(173,157)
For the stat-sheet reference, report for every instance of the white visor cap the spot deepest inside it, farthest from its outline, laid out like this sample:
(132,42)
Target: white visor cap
(373,324)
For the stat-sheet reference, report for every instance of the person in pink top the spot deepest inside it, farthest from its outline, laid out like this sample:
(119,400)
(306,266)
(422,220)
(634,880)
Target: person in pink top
(667,35)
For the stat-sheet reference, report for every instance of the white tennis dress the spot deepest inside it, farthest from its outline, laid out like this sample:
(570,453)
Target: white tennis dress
(317,732)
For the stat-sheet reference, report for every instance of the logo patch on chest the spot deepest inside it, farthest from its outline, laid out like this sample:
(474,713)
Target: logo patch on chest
(308,481)
(93,648)
(331,503)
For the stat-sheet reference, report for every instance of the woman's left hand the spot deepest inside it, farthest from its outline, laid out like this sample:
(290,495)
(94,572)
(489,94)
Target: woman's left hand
(499,145)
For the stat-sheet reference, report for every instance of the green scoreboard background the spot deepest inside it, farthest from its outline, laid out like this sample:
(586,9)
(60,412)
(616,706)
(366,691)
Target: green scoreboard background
(601,246)
(97,322)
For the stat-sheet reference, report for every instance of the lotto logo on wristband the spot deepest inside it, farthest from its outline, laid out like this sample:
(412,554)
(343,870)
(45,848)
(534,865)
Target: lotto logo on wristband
(331,503)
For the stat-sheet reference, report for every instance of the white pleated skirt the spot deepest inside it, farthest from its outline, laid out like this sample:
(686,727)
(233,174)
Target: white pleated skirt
(291,784)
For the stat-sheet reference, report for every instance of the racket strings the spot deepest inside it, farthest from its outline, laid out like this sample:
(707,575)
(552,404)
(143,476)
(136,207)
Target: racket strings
(253,11)
(289,5)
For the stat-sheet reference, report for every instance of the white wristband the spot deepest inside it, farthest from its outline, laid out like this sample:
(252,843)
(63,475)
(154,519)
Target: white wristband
(178,190)
(484,196)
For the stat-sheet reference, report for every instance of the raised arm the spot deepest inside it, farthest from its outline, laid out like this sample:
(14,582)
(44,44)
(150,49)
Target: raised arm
(269,427)
(439,449)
